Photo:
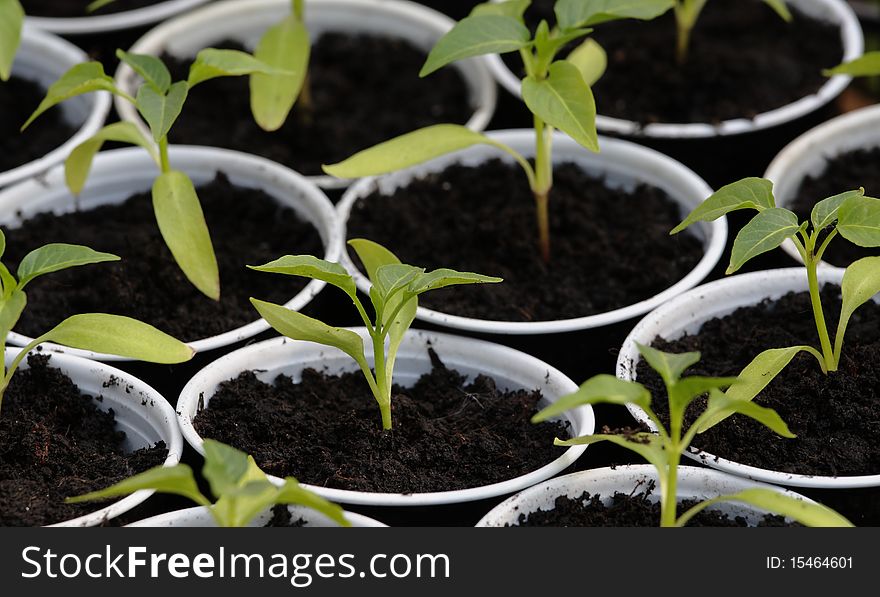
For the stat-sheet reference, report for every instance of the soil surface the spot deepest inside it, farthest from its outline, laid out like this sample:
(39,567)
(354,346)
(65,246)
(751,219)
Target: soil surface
(834,417)
(627,511)
(610,248)
(66,8)
(744,60)
(18,99)
(449,433)
(843,172)
(55,443)
(364,90)
(247,227)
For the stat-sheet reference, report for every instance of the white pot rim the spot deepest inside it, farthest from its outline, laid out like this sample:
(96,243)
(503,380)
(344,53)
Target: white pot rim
(482,89)
(648,158)
(714,300)
(689,477)
(181,518)
(824,140)
(67,55)
(128,19)
(853,46)
(221,159)
(581,420)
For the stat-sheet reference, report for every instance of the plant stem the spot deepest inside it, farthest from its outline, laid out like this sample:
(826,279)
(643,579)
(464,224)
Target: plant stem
(669,490)
(543,183)
(683,44)
(164,163)
(384,397)
(818,314)
(13,367)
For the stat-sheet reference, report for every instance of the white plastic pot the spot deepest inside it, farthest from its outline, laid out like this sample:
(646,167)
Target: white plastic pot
(687,313)
(694,483)
(247,21)
(118,174)
(621,163)
(200,517)
(509,368)
(103,23)
(834,11)
(808,155)
(43,58)
(141,412)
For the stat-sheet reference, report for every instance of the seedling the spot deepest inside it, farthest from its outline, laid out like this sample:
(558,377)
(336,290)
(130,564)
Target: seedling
(866,65)
(394,297)
(97,332)
(688,11)
(850,215)
(241,490)
(175,201)
(11,21)
(664,449)
(556,91)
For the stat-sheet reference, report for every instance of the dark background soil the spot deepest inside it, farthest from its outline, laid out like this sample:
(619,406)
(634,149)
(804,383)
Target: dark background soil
(77,8)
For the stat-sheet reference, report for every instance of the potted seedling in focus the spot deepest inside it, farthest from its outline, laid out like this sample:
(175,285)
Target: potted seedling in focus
(664,449)
(850,215)
(97,332)
(394,297)
(160,102)
(556,91)
(241,490)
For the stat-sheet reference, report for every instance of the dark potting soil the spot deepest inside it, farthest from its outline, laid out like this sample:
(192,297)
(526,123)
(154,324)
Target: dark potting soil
(449,433)
(55,443)
(18,99)
(364,90)
(834,417)
(628,511)
(843,172)
(66,8)
(610,248)
(457,9)
(281,517)
(744,60)
(247,227)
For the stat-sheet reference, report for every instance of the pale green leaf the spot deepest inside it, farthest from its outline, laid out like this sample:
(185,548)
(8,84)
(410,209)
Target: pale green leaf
(647,445)
(294,493)
(867,65)
(225,467)
(780,8)
(120,336)
(11,21)
(810,514)
(763,233)
(176,480)
(441,278)
(861,283)
(10,310)
(152,70)
(237,507)
(79,163)
(10,284)
(211,63)
(160,110)
(722,406)
(564,101)
(582,13)
(669,365)
(590,59)
(182,224)
(286,47)
(825,212)
(82,78)
(392,277)
(510,8)
(858,221)
(748,193)
(372,255)
(601,389)
(92,7)
(685,391)
(477,35)
(56,257)
(312,267)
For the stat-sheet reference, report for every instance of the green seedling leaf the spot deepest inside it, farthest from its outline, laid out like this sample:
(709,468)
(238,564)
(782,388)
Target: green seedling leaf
(722,406)
(858,221)
(867,65)
(647,445)
(308,266)
(292,493)
(225,467)
(98,4)
(80,79)
(120,336)
(56,257)
(861,282)
(670,366)
(583,13)
(79,162)
(512,8)
(284,47)
(372,255)
(161,110)
(393,277)
(408,150)
(590,59)
(11,21)
(182,224)
(176,480)
(685,391)
(211,63)
(601,389)
(152,70)
(825,212)
(763,233)
(810,514)
(477,35)
(748,193)
(780,8)
(11,308)
(441,278)
(238,506)
(564,101)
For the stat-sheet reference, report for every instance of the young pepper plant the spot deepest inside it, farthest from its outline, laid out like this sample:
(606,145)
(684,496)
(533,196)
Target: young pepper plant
(850,215)
(394,297)
(664,448)
(98,332)
(159,101)
(241,489)
(556,91)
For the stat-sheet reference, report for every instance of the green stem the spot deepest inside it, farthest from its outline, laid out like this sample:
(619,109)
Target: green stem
(299,9)
(825,244)
(13,367)
(384,397)
(683,44)
(818,313)
(669,490)
(164,162)
(543,183)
